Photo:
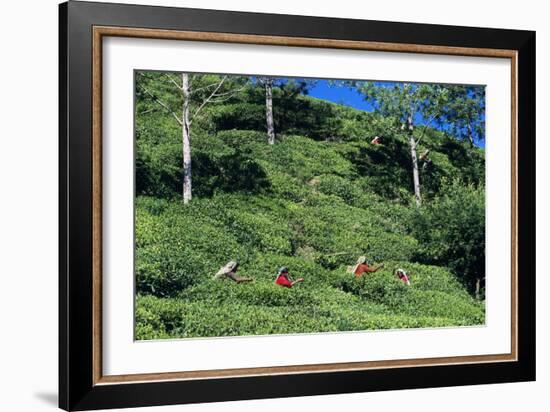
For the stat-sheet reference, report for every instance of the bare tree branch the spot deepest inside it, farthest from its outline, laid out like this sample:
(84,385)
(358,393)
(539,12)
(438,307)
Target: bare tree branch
(432,118)
(263,79)
(222,100)
(231,92)
(164,105)
(228,95)
(147,111)
(205,101)
(193,91)
(179,86)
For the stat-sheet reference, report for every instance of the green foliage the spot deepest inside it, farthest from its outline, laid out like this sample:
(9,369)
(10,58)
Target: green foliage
(451,231)
(464,112)
(305,159)
(241,116)
(338,186)
(181,247)
(227,169)
(158,156)
(435,293)
(174,249)
(315,201)
(293,114)
(341,233)
(385,169)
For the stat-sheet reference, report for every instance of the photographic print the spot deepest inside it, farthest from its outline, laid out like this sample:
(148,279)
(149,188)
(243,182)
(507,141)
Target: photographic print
(282,205)
(321,183)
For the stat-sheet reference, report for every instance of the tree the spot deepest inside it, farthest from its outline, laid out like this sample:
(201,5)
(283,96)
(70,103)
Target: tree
(465,112)
(267,82)
(288,89)
(410,105)
(184,92)
(451,232)
(186,143)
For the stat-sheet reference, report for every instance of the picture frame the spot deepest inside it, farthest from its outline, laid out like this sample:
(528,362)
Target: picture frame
(83,27)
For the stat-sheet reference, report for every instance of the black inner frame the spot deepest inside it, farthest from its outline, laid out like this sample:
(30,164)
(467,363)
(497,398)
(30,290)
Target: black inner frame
(76,388)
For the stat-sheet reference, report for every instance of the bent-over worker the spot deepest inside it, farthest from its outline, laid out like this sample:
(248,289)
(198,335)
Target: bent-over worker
(362,266)
(283,279)
(229,271)
(402,275)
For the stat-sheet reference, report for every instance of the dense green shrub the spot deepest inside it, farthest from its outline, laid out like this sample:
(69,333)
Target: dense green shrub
(305,159)
(458,213)
(338,186)
(341,233)
(223,308)
(434,292)
(243,116)
(158,158)
(285,186)
(175,249)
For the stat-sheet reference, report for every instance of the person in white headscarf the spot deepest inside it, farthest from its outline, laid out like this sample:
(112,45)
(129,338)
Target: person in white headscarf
(363,266)
(402,275)
(229,271)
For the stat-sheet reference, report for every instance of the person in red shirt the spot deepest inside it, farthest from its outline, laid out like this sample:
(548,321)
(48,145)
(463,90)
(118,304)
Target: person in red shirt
(362,266)
(283,279)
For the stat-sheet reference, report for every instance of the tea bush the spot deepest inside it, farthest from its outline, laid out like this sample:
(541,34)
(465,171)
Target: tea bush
(338,186)
(227,309)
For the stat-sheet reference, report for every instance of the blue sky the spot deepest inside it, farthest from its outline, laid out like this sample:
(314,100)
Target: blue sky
(352,98)
(340,95)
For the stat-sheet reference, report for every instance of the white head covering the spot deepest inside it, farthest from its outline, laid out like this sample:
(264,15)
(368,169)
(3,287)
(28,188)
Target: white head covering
(360,261)
(230,267)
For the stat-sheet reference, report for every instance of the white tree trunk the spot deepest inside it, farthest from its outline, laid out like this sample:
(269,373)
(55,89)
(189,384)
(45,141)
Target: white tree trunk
(414,158)
(186,140)
(269,110)
(470,134)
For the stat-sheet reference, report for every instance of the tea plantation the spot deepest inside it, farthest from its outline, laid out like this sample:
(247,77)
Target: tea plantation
(317,199)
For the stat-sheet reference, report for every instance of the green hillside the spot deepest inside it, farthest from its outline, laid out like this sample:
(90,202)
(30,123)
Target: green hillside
(314,201)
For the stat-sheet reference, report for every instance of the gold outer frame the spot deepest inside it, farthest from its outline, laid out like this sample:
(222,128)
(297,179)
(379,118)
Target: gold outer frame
(102,31)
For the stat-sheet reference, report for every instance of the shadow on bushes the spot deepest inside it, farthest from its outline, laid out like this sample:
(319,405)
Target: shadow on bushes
(229,173)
